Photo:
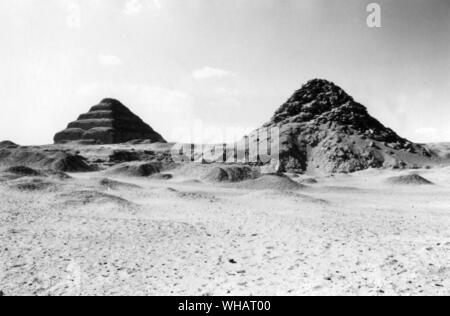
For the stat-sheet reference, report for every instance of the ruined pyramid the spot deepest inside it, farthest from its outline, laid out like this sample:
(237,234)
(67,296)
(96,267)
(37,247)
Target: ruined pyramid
(109,122)
(324,129)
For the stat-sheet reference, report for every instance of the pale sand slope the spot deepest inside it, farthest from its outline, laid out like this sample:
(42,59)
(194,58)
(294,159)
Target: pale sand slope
(198,239)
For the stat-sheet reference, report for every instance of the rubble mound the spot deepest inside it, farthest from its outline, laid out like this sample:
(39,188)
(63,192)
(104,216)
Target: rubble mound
(8,144)
(114,185)
(231,174)
(23,171)
(411,179)
(44,159)
(109,122)
(162,176)
(136,169)
(309,181)
(276,182)
(323,128)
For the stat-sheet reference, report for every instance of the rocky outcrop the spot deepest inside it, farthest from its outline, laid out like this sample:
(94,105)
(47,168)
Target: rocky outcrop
(323,128)
(109,122)
(8,145)
(23,171)
(44,159)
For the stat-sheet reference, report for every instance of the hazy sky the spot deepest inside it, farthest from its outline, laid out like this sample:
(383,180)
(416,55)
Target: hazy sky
(219,63)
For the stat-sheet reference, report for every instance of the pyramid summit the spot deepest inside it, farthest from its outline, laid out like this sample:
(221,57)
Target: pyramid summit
(322,102)
(314,98)
(109,122)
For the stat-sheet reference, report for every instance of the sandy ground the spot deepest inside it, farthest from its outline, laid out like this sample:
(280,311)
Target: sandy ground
(346,235)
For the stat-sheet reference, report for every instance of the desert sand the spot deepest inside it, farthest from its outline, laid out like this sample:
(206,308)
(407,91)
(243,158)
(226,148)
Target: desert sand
(347,208)
(104,234)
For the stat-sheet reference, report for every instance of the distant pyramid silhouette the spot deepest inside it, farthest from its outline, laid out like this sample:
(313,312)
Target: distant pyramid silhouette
(109,122)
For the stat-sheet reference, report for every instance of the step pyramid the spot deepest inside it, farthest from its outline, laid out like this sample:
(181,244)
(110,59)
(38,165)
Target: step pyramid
(109,122)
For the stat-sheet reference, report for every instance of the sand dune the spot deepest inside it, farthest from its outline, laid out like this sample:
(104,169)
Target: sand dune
(346,234)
